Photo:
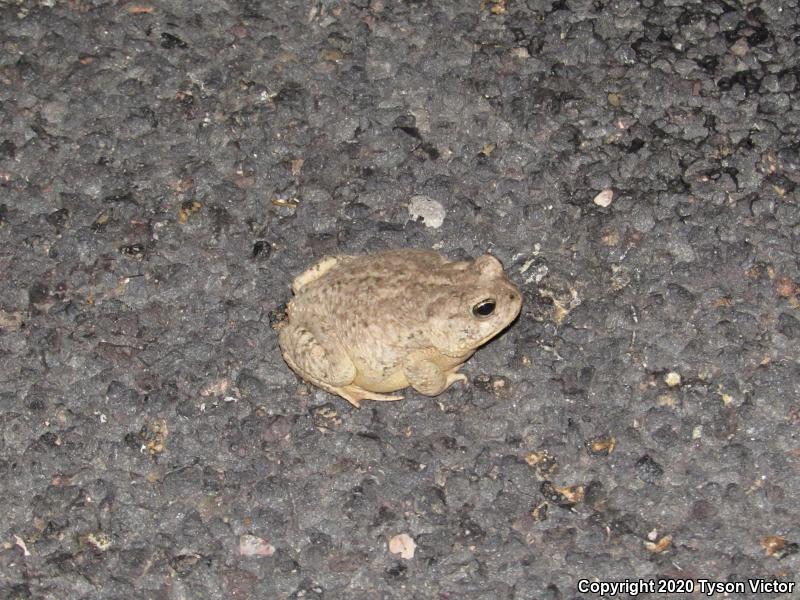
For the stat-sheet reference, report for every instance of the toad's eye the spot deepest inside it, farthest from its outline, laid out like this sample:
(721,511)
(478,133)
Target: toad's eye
(484,308)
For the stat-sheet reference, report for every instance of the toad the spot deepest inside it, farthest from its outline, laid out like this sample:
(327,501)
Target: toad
(365,326)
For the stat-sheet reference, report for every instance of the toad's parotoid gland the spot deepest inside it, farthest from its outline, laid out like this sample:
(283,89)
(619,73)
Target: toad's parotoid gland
(364,326)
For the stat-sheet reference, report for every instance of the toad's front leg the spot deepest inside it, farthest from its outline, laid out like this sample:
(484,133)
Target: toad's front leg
(427,377)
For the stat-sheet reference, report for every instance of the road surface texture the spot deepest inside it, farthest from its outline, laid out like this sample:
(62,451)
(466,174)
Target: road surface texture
(167,168)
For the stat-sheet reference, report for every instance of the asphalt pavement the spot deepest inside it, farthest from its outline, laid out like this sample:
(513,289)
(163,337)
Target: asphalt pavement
(167,168)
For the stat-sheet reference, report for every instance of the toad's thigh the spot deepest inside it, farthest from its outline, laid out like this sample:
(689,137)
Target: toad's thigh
(315,355)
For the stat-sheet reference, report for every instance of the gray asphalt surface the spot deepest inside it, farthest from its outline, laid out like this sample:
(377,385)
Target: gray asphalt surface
(167,167)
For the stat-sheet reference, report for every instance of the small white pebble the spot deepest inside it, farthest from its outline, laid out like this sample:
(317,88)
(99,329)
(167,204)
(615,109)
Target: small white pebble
(251,545)
(604,198)
(21,543)
(430,211)
(672,379)
(404,545)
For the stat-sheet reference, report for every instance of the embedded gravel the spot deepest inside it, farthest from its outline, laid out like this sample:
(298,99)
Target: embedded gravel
(167,167)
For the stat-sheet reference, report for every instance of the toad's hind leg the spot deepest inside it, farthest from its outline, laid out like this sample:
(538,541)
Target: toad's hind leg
(323,362)
(316,357)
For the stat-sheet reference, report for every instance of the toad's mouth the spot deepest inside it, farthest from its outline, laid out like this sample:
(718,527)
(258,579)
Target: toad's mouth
(491,336)
(509,322)
(468,348)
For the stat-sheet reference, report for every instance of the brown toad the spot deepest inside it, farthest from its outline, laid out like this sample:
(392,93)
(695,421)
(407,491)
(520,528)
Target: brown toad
(362,326)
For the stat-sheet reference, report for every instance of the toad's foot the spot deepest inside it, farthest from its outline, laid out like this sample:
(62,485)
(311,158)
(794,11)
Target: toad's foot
(355,394)
(313,273)
(453,377)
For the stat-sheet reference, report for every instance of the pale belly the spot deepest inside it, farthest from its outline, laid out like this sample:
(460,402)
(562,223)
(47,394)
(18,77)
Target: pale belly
(396,379)
(392,383)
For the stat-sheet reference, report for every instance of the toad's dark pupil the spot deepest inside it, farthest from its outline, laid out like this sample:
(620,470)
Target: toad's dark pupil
(484,308)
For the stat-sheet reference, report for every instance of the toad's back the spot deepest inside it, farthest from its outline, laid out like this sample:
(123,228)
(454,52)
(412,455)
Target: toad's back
(376,298)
